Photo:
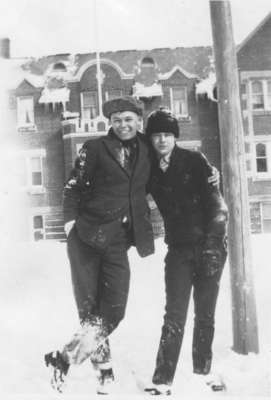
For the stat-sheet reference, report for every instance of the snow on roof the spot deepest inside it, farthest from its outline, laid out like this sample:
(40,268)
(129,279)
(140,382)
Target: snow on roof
(59,95)
(12,74)
(140,90)
(207,86)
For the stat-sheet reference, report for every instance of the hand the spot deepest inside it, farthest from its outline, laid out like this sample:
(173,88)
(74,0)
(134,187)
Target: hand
(214,179)
(68,227)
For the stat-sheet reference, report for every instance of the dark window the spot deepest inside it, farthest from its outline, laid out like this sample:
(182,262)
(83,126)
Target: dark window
(261,158)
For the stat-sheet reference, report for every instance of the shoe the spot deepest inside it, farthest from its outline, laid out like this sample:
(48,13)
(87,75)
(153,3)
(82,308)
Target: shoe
(60,369)
(106,381)
(158,390)
(212,380)
(215,382)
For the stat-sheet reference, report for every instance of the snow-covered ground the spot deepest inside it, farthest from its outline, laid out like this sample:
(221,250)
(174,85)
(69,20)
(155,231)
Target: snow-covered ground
(38,315)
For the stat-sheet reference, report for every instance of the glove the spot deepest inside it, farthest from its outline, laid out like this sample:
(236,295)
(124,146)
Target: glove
(212,256)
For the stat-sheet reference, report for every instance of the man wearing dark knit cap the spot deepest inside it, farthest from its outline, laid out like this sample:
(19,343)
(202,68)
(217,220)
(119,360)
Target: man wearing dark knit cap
(105,212)
(195,218)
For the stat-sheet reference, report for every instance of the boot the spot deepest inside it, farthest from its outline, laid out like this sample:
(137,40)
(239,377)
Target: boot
(59,367)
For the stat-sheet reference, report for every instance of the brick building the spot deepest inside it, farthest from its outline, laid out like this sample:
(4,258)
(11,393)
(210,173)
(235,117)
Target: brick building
(54,105)
(254,63)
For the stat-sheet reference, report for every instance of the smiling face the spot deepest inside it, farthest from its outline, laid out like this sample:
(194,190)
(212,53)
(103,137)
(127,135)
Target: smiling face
(163,143)
(125,124)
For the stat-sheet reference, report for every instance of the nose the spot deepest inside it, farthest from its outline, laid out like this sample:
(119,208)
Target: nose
(162,138)
(123,124)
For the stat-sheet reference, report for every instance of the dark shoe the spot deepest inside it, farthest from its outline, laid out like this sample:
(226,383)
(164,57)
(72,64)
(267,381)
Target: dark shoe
(212,380)
(60,369)
(215,382)
(106,381)
(158,390)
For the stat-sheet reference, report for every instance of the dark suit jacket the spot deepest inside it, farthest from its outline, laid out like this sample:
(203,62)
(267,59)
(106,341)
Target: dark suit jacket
(106,192)
(191,208)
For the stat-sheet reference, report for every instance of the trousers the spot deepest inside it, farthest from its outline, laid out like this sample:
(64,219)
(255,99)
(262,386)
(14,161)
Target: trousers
(182,274)
(100,282)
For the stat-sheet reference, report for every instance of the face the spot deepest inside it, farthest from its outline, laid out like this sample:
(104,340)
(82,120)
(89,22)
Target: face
(125,124)
(163,142)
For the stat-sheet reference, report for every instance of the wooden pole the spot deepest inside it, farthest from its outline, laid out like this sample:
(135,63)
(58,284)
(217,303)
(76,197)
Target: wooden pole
(98,75)
(245,331)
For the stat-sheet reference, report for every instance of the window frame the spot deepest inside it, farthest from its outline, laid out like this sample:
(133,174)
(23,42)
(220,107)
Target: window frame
(21,125)
(29,185)
(83,107)
(265,93)
(261,175)
(179,115)
(107,97)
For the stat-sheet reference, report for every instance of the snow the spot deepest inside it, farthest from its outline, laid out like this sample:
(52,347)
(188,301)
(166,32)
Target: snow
(12,74)
(59,95)
(206,86)
(39,315)
(140,90)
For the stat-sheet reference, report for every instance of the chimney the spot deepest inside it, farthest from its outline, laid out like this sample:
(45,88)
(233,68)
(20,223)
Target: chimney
(4,48)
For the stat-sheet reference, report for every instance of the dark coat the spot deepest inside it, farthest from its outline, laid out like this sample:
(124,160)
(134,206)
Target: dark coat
(191,208)
(106,192)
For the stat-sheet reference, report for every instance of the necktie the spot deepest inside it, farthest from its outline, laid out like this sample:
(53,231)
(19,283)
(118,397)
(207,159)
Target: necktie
(164,163)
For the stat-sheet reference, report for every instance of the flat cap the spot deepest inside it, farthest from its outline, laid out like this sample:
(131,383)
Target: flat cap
(120,104)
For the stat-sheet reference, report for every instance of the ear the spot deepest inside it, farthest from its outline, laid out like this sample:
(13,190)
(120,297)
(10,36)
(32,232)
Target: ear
(140,124)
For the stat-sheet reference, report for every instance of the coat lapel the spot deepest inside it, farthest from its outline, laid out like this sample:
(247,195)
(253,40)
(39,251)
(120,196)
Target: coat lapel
(142,154)
(177,160)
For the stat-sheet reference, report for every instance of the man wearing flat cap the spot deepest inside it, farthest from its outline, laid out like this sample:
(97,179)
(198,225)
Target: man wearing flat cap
(105,212)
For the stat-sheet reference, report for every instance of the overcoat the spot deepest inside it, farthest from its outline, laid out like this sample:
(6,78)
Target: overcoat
(106,192)
(192,209)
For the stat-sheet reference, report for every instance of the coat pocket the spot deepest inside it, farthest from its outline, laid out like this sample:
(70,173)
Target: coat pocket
(96,234)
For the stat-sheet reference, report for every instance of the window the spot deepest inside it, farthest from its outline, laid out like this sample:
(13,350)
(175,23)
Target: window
(89,105)
(36,171)
(261,158)
(112,94)
(179,105)
(257,96)
(25,111)
(28,173)
(38,227)
(261,95)
(266,217)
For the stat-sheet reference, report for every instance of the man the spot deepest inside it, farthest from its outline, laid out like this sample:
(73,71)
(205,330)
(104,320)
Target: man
(105,212)
(195,217)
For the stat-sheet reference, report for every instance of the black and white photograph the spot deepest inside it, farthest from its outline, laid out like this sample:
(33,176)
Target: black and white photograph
(135,199)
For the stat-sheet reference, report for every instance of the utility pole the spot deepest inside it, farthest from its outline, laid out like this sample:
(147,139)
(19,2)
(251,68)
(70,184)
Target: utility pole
(245,331)
(98,75)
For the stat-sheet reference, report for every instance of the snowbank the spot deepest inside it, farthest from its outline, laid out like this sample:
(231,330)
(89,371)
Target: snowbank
(39,315)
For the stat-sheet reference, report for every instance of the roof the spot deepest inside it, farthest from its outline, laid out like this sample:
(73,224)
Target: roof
(254,32)
(194,60)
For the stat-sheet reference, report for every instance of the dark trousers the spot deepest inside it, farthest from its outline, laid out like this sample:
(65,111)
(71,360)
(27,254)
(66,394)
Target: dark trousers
(101,283)
(182,273)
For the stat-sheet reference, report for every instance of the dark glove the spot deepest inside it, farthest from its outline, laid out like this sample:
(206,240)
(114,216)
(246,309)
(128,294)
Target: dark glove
(213,256)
